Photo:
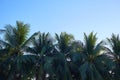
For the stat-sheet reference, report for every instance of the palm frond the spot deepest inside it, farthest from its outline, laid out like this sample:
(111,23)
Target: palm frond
(64,40)
(29,39)
(22,31)
(115,43)
(99,47)
(90,42)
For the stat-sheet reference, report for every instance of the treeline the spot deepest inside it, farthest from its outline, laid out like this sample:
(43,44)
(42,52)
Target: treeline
(43,57)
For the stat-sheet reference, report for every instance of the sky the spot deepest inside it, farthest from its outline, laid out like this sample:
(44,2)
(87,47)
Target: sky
(71,16)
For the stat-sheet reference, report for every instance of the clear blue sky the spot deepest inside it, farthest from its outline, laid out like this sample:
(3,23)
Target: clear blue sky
(72,16)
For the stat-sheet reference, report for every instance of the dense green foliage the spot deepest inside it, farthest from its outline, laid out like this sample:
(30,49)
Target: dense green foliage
(43,57)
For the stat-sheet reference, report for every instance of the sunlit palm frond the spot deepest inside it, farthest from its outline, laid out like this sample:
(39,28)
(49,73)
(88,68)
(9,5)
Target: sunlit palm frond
(16,36)
(22,31)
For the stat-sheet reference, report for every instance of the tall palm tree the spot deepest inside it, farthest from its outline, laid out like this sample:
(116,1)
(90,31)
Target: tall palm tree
(15,41)
(64,47)
(42,47)
(89,70)
(115,52)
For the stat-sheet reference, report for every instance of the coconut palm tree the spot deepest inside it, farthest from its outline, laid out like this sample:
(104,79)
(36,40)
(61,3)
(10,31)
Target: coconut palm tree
(64,47)
(114,42)
(89,69)
(42,47)
(14,43)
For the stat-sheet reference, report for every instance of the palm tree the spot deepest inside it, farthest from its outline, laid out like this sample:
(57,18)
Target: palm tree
(64,47)
(89,69)
(42,47)
(115,52)
(15,42)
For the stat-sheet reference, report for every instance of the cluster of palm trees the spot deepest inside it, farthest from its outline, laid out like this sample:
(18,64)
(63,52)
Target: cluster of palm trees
(42,57)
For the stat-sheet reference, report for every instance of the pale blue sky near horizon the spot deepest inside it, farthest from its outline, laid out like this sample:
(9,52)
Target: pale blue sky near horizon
(71,16)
